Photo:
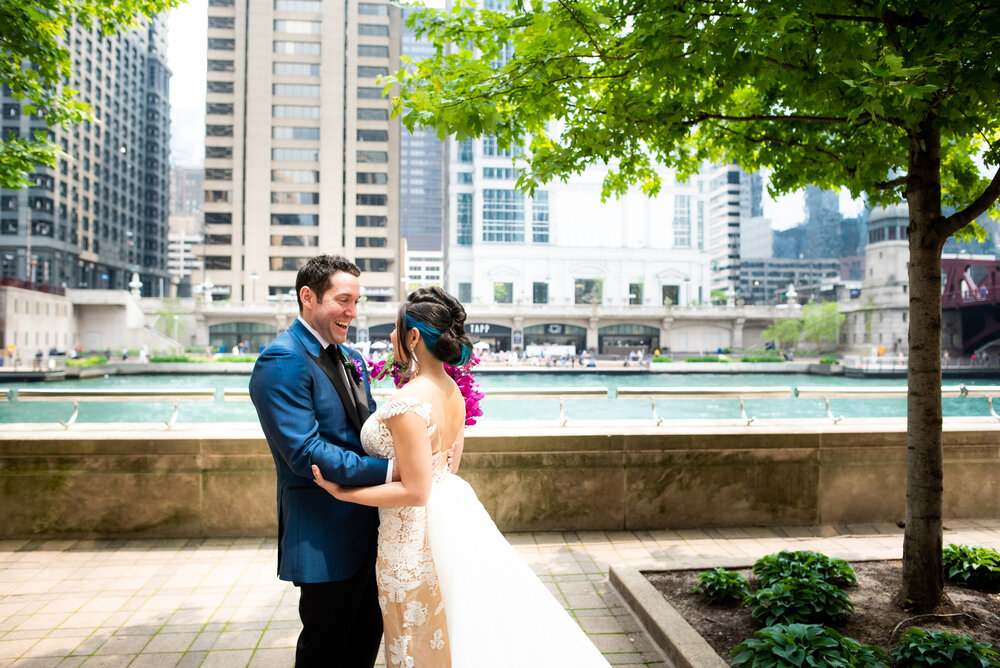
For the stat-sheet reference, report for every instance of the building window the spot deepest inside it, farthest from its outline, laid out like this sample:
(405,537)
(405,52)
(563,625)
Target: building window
(218,239)
(465,151)
(373,156)
(218,218)
(499,173)
(301,6)
(369,51)
(540,217)
(371,71)
(588,290)
(503,216)
(682,221)
(294,132)
(491,147)
(294,111)
(372,9)
(286,263)
(298,27)
(367,199)
(464,177)
(294,198)
(304,219)
(371,242)
(374,178)
(222,22)
(465,292)
(294,176)
(218,195)
(373,30)
(539,293)
(463,219)
(219,130)
(371,221)
(293,240)
(372,264)
(373,135)
(369,93)
(220,86)
(217,174)
(221,66)
(670,294)
(367,114)
(220,43)
(296,69)
(295,90)
(218,261)
(295,154)
(297,48)
(635,293)
(503,293)
(218,152)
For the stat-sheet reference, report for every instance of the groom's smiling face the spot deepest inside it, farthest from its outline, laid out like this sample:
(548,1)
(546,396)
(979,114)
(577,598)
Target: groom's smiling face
(332,312)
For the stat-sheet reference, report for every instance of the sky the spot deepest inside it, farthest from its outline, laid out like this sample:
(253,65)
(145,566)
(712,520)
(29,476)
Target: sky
(186,53)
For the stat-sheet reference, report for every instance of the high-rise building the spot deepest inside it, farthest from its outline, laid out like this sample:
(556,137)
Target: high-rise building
(100,215)
(823,223)
(421,173)
(300,157)
(734,196)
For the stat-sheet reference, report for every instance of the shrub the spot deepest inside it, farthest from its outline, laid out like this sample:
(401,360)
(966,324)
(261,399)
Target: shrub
(236,358)
(972,566)
(828,360)
(792,645)
(755,360)
(662,359)
(174,358)
(88,361)
(720,585)
(798,599)
(786,564)
(705,358)
(940,648)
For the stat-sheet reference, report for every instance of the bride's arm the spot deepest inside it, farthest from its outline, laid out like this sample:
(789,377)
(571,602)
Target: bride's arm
(413,461)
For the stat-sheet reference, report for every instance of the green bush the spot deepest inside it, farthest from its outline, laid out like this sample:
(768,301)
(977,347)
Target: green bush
(972,566)
(721,585)
(803,563)
(236,358)
(756,360)
(794,645)
(828,360)
(920,648)
(662,359)
(87,361)
(798,599)
(175,358)
(705,358)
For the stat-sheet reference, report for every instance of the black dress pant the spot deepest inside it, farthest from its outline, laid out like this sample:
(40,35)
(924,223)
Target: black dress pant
(341,622)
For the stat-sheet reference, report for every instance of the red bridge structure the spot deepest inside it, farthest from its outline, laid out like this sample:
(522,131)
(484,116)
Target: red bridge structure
(972,287)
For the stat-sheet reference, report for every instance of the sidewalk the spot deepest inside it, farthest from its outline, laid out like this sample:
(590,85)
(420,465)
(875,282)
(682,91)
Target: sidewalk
(217,602)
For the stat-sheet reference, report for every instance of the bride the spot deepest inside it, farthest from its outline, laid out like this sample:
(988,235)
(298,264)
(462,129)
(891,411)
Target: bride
(452,591)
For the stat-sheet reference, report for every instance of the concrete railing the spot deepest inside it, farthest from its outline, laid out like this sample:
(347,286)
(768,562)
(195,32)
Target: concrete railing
(216,480)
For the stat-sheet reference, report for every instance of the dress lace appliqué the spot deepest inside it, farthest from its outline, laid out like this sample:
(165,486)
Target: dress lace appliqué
(416,632)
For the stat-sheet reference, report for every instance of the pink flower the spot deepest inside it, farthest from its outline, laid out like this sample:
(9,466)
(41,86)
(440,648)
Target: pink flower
(462,376)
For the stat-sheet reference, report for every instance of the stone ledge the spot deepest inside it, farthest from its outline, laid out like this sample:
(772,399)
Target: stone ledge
(678,641)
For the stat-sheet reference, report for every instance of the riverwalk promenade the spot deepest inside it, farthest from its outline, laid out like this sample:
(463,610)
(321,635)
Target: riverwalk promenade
(216,601)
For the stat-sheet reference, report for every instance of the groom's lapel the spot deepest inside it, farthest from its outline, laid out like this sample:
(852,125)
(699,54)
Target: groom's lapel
(330,370)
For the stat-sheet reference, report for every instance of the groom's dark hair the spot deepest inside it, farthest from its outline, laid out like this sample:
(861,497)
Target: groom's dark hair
(315,274)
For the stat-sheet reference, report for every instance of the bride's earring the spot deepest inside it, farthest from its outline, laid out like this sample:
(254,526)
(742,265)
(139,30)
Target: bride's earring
(414,365)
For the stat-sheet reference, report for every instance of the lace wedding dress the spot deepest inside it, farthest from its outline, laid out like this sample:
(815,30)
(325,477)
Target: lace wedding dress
(453,592)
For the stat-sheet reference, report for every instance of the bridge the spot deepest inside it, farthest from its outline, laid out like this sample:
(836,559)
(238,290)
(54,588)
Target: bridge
(972,288)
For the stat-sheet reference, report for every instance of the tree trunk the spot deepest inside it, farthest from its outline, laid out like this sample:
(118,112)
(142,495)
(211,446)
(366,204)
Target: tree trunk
(922,543)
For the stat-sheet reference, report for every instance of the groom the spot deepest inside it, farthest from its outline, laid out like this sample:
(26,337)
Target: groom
(311,404)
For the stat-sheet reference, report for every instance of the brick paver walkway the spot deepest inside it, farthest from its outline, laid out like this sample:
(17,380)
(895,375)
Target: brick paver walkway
(217,602)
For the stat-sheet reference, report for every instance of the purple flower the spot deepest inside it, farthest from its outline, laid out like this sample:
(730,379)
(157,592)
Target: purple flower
(462,376)
(358,368)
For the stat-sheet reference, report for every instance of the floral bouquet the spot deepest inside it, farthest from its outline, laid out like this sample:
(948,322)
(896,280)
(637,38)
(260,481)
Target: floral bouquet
(462,375)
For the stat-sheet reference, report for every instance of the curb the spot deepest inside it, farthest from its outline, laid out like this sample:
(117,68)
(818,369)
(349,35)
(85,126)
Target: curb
(681,644)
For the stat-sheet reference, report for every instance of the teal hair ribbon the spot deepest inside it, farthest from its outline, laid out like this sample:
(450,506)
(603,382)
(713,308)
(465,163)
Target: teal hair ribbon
(429,334)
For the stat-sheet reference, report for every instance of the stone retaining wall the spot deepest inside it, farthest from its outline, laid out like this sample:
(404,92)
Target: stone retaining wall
(218,480)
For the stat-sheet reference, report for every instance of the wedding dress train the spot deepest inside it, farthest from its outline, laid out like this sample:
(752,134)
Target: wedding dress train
(450,585)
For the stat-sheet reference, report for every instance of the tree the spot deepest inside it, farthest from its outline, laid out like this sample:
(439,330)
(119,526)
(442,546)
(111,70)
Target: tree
(893,98)
(821,323)
(35,65)
(784,331)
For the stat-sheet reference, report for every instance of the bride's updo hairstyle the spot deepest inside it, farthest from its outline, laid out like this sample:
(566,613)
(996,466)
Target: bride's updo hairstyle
(440,319)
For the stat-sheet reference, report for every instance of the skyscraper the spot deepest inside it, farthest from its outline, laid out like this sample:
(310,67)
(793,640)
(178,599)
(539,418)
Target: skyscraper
(300,155)
(101,213)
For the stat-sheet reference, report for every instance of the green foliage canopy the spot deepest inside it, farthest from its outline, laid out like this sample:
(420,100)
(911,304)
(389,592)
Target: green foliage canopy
(821,322)
(36,66)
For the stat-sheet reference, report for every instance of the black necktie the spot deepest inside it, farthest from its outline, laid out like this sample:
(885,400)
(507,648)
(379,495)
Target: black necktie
(353,379)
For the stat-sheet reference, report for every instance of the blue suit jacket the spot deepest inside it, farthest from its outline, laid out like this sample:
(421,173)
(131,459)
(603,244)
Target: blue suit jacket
(320,539)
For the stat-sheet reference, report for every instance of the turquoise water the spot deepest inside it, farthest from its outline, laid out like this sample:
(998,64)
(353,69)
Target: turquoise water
(235,410)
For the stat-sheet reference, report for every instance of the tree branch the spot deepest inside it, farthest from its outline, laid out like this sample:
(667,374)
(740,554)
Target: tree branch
(960,219)
(765,139)
(895,183)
